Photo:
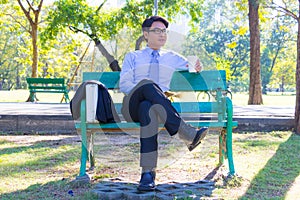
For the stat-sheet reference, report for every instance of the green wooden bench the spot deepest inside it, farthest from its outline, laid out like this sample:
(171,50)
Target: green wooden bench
(47,85)
(183,81)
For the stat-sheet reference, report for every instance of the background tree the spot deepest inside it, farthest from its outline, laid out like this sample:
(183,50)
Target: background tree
(10,68)
(222,42)
(283,74)
(32,10)
(292,9)
(220,38)
(55,59)
(274,43)
(255,92)
(100,24)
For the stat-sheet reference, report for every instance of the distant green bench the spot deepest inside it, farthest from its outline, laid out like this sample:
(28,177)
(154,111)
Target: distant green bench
(47,85)
(216,113)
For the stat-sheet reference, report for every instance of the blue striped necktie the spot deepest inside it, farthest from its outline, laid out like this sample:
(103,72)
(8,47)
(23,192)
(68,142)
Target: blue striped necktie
(154,65)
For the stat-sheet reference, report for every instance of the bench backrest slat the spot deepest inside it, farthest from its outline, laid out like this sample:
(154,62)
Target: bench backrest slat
(204,81)
(48,87)
(181,80)
(60,81)
(109,79)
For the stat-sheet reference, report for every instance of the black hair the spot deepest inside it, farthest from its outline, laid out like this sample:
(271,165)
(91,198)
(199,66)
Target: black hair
(149,21)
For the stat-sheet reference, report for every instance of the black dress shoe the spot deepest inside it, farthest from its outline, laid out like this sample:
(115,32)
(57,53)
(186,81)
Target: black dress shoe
(147,182)
(197,140)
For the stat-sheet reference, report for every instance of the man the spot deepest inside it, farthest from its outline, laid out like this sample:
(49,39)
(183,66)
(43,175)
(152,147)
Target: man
(145,77)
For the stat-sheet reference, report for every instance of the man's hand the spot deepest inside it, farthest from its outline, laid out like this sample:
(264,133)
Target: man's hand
(198,66)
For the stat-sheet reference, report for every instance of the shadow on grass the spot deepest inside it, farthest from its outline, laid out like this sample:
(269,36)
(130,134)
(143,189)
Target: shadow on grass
(41,155)
(65,189)
(37,145)
(62,189)
(278,175)
(43,159)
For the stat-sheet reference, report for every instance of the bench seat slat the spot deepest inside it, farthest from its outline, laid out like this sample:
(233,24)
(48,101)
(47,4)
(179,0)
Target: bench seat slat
(48,87)
(49,91)
(132,125)
(187,107)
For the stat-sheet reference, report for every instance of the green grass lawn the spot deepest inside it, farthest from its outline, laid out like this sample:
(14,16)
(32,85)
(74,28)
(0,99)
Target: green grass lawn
(44,167)
(274,98)
(22,96)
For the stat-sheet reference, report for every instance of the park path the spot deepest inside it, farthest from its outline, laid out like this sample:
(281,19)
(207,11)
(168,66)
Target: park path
(56,117)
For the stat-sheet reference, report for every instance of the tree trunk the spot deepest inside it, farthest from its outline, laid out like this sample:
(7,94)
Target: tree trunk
(139,42)
(34,66)
(113,63)
(255,91)
(34,51)
(297,108)
(33,21)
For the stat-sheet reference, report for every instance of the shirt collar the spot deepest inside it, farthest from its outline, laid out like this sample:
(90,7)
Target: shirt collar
(149,50)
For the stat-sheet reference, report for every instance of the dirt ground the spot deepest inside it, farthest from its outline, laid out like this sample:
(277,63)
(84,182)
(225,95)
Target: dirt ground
(118,156)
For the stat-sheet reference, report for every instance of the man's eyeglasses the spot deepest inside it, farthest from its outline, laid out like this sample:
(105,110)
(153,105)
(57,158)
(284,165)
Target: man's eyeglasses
(158,31)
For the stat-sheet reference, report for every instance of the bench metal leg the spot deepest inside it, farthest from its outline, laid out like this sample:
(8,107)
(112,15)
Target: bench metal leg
(84,153)
(84,145)
(66,98)
(32,97)
(225,149)
(91,157)
(83,177)
(229,128)
(222,146)
(229,150)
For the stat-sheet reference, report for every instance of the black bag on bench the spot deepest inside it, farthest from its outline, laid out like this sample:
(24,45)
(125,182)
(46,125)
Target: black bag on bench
(105,113)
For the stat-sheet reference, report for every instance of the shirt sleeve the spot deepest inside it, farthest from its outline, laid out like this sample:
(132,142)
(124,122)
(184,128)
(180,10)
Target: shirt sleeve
(176,60)
(126,76)
(182,63)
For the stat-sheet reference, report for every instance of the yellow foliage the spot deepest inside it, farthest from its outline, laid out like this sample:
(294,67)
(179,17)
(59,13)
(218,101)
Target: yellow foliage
(261,14)
(284,28)
(232,45)
(242,30)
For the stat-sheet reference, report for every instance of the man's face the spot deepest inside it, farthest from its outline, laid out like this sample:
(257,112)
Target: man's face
(156,35)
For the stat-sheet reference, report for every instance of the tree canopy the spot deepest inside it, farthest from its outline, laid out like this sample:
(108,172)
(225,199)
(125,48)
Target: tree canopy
(218,33)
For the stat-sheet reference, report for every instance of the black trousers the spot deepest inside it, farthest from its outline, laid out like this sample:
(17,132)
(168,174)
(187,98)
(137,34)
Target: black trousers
(148,105)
